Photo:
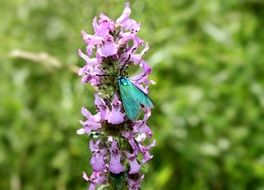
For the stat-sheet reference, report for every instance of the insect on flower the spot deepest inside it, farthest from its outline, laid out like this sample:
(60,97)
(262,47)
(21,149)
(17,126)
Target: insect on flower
(112,49)
(132,97)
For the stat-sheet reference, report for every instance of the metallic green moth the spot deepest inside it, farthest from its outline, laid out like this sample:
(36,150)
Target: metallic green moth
(132,98)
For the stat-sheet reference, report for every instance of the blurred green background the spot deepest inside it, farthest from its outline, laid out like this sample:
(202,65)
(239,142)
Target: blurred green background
(208,63)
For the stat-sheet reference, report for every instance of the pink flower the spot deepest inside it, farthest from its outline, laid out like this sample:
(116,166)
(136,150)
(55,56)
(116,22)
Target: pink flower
(134,182)
(126,22)
(145,151)
(101,106)
(115,159)
(104,27)
(109,47)
(140,127)
(96,178)
(91,41)
(91,124)
(133,163)
(90,70)
(125,15)
(97,160)
(115,116)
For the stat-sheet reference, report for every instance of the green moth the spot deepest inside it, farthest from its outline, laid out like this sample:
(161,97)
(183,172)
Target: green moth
(132,98)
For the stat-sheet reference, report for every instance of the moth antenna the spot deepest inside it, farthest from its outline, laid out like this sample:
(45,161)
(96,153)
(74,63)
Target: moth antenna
(106,75)
(123,67)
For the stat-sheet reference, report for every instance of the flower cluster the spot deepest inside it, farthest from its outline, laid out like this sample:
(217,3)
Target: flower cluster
(118,144)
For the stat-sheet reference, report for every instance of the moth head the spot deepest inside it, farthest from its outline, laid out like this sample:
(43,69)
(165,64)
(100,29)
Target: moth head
(122,80)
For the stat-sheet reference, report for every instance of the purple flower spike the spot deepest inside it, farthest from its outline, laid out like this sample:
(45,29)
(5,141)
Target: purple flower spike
(115,162)
(117,144)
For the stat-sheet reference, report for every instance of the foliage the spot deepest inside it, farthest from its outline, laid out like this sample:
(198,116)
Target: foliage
(207,59)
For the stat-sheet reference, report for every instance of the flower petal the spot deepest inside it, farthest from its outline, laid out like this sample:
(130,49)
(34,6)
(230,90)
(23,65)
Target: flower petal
(100,104)
(132,160)
(115,165)
(134,183)
(92,123)
(115,116)
(125,15)
(97,161)
(104,27)
(145,151)
(96,178)
(109,48)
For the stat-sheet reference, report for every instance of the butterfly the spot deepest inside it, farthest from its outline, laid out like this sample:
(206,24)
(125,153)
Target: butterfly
(132,97)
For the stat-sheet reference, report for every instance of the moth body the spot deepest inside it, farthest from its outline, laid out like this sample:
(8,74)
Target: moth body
(132,98)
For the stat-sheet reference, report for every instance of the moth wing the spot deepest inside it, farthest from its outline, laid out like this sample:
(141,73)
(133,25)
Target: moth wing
(141,97)
(130,104)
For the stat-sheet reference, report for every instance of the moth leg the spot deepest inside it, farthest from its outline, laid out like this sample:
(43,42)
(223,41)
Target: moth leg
(115,91)
(113,94)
